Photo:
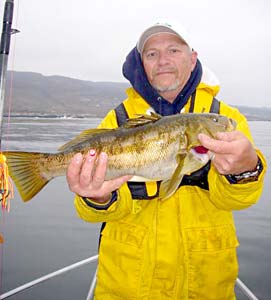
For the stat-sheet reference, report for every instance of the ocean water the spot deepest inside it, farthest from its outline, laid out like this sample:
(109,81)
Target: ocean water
(45,234)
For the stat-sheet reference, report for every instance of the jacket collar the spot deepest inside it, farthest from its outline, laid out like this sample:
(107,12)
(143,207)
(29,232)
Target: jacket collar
(133,71)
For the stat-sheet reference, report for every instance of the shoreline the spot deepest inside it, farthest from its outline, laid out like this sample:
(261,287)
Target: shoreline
(87,116)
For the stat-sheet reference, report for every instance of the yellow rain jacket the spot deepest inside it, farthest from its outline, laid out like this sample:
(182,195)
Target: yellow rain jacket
(183,248)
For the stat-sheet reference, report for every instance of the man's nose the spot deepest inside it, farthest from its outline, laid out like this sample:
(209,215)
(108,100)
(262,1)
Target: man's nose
(163,58)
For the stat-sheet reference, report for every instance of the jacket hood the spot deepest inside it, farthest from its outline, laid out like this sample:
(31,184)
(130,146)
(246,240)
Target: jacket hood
(209,81)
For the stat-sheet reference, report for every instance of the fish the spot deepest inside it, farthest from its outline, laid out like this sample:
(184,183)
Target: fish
(146,147)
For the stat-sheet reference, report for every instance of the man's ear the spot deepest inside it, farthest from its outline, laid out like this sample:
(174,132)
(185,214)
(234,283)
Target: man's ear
(194,57)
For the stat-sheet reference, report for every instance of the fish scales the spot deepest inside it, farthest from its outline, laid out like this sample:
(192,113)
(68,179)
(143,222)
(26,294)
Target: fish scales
(140,151)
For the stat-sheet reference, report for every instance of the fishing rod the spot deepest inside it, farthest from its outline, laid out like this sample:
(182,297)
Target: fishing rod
(7,31)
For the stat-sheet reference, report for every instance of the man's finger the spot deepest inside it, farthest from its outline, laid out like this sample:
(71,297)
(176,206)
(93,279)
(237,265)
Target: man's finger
(100,171)
(214,145)
(229,136)
(118,182)
(87,168)
(115,184)
(74,169)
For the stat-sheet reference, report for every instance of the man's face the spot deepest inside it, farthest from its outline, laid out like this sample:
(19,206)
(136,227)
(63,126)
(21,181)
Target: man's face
(168,63)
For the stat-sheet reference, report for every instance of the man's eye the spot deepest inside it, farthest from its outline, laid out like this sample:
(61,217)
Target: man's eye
(151,54)
(173,50)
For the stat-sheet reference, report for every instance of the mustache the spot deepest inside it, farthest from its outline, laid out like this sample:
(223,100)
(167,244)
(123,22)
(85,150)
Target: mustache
(164,70)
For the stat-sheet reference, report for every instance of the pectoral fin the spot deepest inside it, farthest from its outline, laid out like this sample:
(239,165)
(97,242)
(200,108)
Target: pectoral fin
(194,162)
(188,163)
(169,187)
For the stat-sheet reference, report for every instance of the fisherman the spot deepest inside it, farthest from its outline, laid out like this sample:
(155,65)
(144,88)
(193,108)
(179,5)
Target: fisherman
(183,247)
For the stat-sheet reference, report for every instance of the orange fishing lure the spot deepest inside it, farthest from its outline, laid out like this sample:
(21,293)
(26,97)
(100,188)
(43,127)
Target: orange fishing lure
(6,187)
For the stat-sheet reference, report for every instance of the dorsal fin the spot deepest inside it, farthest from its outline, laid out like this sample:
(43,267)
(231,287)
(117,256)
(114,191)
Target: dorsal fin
(82,137)
(142,119)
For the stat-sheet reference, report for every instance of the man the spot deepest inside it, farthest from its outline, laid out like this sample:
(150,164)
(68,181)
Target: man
(184,247)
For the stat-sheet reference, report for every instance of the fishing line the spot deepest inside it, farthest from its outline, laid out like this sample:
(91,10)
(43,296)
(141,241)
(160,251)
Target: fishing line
(5,180)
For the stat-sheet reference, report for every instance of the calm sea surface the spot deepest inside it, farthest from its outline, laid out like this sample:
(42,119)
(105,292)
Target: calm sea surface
(45,234)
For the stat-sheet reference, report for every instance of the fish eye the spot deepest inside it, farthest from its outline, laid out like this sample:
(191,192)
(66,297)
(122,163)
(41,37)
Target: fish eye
(215,120)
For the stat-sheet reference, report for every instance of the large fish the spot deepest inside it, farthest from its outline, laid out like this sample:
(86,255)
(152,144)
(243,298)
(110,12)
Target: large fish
(151,148)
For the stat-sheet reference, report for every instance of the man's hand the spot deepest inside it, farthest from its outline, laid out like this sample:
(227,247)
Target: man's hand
(232,152)
(86,177)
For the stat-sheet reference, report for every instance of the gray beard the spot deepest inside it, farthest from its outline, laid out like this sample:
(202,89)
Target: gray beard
(169,88)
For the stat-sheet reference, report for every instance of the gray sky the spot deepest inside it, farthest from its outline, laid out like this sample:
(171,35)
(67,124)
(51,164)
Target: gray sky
(89,39)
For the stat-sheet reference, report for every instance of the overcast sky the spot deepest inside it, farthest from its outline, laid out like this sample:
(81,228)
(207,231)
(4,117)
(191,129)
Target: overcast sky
(89,39)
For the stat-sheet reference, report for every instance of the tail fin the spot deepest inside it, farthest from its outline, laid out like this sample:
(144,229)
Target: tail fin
(25,169)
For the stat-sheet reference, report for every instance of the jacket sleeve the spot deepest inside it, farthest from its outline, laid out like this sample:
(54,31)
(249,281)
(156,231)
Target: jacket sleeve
(120,208)
(228,196)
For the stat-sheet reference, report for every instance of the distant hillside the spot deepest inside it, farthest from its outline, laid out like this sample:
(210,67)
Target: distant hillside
(256,113)
(35,94)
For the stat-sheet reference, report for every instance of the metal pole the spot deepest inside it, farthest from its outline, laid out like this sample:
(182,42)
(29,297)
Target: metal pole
(245,290)
(90,295)
(48,276)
